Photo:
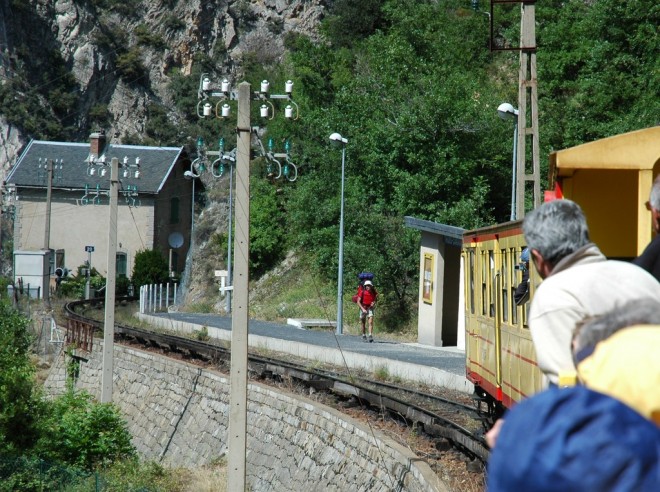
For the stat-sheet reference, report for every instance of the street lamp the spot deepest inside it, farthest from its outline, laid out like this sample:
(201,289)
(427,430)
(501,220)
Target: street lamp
(337,139)
(193,176)
(507,112)
(232,159)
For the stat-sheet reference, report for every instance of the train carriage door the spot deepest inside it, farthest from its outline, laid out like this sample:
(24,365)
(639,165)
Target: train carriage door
(497,313)
(498,336)
(484,282)
(471,281)
(492,294)
(506,282)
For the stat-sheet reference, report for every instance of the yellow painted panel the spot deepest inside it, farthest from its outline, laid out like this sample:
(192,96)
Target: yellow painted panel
(609,199)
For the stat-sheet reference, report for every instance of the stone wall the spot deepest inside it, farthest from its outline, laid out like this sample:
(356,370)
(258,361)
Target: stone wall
(178,415)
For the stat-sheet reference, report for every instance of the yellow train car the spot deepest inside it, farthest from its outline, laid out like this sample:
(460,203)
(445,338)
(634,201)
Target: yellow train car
(500,357)
(610,179)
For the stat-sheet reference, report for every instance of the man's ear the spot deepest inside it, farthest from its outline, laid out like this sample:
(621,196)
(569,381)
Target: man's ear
(542,267)
(655,217)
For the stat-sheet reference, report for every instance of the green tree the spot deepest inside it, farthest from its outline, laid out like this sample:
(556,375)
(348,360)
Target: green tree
(352,20)
(150,268)
(20,403)
(599,70)
(267,232)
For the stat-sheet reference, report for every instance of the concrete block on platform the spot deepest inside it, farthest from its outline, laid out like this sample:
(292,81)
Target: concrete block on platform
(304,323)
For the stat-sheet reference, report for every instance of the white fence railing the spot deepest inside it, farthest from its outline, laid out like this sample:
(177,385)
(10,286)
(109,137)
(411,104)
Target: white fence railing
(157,297)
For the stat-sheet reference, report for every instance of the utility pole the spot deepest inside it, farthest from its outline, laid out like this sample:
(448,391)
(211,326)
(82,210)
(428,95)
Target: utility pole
(240,315)
(528,119)
(527,116)
(239,275)
(49,190)
(109,326)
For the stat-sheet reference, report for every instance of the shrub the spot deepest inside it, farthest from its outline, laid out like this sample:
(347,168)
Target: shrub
(83,433)
(130,66)
(150,268)
(172,22)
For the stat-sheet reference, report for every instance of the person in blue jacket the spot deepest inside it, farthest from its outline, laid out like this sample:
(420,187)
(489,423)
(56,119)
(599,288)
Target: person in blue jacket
(574,440)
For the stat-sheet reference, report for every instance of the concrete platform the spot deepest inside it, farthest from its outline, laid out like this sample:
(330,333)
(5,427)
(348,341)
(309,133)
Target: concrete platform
(440,366)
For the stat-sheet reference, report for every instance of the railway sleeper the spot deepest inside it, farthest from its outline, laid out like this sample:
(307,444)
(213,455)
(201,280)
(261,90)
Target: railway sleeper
(466,444)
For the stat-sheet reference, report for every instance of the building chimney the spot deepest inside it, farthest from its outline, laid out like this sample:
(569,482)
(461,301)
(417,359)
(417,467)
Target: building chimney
(97,143)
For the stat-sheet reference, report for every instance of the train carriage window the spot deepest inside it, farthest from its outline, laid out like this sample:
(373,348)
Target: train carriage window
(505,286)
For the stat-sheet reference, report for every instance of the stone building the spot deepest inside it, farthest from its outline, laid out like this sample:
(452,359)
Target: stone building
(155,202)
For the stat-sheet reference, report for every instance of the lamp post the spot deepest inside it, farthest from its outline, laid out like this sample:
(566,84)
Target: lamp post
(507,112)
(231,160)
(337,139)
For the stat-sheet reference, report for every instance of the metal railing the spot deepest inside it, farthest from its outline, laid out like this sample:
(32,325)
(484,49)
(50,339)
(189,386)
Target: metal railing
(157,297)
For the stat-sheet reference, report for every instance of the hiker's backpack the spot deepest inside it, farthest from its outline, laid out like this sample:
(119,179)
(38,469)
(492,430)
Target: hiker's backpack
(362,277)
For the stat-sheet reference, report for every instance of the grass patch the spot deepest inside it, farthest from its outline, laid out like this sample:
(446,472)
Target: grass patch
(382,373)
(292,291)
(202,334)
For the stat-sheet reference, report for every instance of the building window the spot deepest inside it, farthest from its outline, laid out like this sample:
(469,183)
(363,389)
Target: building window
(174,210)
(56,258)
(121,264)
(175,264)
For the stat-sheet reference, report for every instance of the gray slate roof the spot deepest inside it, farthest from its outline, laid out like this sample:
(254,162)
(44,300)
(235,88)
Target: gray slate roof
(156,163)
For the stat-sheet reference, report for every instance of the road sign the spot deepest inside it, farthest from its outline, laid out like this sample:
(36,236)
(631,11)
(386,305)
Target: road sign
(89,249)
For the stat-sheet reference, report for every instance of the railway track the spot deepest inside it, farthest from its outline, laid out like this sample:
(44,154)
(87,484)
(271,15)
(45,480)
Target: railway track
(441,419)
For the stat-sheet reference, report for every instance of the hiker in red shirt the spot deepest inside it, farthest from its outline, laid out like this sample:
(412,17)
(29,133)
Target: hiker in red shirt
(367,302)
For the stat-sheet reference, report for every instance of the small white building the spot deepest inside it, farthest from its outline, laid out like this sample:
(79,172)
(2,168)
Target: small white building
(32,272)
(441,320)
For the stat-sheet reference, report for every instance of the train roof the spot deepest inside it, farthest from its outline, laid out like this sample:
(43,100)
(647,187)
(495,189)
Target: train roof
(637,150)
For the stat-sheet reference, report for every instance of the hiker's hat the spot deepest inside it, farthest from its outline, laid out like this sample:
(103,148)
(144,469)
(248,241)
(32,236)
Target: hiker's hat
(368,282)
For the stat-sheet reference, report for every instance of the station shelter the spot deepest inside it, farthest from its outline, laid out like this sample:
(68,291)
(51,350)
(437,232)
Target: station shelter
(440,319)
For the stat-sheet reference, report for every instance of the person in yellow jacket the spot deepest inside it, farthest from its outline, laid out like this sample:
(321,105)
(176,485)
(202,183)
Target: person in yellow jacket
(617,354)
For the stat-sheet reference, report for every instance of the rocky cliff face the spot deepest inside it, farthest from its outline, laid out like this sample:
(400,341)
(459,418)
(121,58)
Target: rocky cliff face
(176,30)
(162,35)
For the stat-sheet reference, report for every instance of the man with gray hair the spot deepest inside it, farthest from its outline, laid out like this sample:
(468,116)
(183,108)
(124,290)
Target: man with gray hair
(649,260)
(579,282)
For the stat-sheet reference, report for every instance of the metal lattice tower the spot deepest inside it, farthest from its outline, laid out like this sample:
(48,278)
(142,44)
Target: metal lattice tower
(528,114)
(528,119)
